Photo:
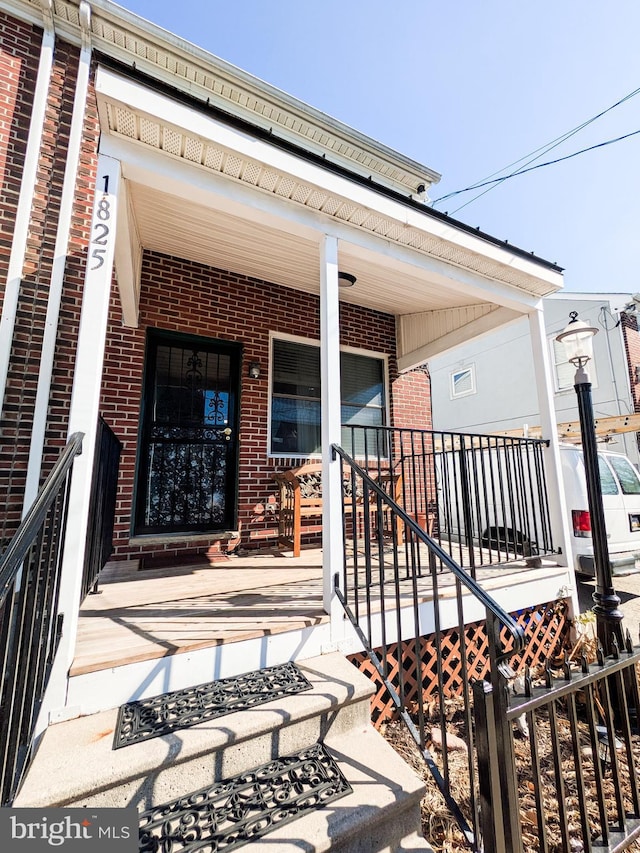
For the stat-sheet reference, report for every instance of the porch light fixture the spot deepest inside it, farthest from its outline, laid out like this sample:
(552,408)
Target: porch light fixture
(254,370)
(346,279)
(577,338)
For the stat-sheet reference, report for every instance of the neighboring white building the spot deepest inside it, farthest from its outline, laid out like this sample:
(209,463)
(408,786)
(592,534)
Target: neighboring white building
(488,384)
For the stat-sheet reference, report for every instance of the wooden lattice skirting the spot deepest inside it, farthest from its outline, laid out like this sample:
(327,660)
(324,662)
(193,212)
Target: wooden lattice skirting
(546,627)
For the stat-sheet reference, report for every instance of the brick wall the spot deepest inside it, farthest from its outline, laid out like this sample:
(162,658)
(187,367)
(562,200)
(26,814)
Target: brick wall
(631,337)
(188,297)
(19,55)
(19,49)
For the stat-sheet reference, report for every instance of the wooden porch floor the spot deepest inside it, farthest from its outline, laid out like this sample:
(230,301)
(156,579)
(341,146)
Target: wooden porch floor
(145,614)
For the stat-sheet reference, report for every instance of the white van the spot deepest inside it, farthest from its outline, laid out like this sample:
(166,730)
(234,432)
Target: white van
(621,500)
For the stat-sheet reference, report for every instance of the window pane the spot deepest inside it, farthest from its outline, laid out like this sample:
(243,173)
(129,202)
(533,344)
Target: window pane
(361,380)
(296,369)
(627,475)
(295,404)
(462,382)
(607,480)
(295,426)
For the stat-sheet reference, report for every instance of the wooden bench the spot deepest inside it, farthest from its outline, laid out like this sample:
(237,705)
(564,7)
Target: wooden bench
(300,497)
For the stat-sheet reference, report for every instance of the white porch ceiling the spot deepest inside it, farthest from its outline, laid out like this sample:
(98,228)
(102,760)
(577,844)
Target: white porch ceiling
(175,226)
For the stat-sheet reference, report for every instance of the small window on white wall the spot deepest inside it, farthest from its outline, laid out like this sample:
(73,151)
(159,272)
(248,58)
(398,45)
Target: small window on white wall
(463,382)
(563,371)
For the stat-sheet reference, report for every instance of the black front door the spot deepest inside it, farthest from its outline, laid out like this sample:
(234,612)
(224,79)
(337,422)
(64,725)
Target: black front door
(187,464)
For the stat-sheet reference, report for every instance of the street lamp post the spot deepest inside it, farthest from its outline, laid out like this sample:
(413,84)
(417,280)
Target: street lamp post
(577,338)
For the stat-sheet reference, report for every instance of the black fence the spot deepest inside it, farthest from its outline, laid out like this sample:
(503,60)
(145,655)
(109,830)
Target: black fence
(104,484)
(566,776)
(30,625)
(483,498)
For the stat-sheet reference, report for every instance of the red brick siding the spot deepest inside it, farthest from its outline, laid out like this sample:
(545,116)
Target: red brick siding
(188,297)
(19,52)
(631,337)
(21,46)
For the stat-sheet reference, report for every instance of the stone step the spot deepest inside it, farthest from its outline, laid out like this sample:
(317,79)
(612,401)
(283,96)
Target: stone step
(381,815)
(75,764)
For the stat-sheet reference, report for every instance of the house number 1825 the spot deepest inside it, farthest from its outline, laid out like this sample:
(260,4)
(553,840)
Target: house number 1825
(99,242)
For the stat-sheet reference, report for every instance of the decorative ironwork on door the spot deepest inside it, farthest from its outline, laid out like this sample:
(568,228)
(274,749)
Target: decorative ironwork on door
(188,454)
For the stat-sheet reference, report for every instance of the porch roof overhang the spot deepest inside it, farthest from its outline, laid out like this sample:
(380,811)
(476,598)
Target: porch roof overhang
(205,189)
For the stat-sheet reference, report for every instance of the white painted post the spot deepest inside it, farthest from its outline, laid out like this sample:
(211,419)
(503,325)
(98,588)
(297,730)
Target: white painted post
(549,425)
(85,402)
(25,203)
(332,534)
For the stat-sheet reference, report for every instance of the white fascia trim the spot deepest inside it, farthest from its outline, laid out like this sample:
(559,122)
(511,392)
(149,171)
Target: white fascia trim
(144,100)
(170,175)
(201,60)
(57,277)
(25,204)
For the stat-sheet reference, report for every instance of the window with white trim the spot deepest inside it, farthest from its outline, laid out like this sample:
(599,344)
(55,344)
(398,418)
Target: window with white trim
(295,396)
(463,381)
(563,371)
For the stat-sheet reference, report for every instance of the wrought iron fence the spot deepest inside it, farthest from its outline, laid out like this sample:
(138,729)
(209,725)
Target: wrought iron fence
(382,591)
(482,497)
(30,624)
(566,778)
(102,505)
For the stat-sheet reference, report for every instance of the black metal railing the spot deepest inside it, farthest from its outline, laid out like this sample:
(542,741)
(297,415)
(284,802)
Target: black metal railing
(398,584)
(30,624)
(482,497)
(552,762)
(574,785)
(102,507)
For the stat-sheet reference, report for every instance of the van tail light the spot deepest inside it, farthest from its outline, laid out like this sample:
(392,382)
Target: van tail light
(581,522)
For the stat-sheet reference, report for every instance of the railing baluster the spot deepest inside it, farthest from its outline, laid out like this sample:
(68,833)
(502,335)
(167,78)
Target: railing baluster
(30,570)
(397,585)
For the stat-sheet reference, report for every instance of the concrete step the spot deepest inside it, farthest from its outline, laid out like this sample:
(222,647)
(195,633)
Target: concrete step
(381,815)
(75,765)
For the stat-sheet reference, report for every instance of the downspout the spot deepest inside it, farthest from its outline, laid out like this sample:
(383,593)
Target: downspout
(59,262)
(25,199)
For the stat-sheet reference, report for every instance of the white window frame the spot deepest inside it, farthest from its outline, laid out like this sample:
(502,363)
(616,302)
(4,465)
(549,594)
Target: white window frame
(555,347)
(283,336)
(468,368)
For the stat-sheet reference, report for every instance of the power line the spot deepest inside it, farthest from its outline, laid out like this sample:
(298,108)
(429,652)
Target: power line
(491,181)
(542,165)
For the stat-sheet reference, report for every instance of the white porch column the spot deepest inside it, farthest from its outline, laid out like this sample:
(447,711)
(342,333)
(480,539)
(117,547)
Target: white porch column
(332,544)
(83,417)
(549,425)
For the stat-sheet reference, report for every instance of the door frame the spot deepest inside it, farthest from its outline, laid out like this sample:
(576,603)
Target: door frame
(155,337)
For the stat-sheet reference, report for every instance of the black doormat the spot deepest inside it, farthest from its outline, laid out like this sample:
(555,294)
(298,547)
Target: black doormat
(161,715)
(237,811)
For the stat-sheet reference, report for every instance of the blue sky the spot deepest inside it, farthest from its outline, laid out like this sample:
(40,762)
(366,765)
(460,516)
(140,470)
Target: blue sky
(467,87)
